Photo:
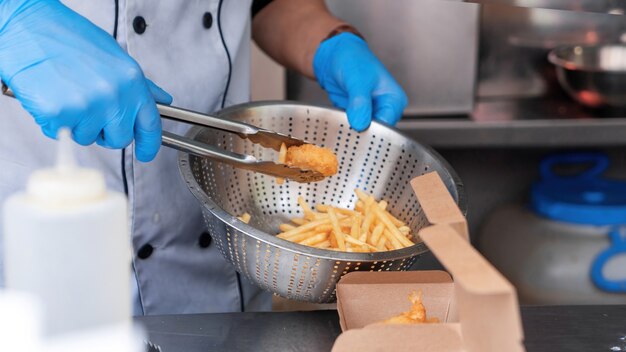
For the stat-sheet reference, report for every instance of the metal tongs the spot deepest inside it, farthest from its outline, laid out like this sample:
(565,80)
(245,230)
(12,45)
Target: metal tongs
(256,135)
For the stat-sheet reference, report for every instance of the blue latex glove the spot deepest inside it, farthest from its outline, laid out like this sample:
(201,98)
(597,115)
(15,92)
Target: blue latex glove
(67,72)
(358,82)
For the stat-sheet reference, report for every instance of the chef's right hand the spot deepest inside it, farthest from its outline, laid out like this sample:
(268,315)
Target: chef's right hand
(67,72)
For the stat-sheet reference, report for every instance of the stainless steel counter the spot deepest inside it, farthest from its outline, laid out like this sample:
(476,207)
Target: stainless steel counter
(521,123)
(547,329)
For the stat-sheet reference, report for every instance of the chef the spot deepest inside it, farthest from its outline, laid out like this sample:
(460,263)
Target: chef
(98,67)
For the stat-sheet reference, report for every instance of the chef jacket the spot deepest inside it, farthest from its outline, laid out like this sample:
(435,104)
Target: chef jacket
(198,51)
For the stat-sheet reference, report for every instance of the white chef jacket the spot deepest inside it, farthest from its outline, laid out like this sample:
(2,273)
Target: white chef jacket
(198,51)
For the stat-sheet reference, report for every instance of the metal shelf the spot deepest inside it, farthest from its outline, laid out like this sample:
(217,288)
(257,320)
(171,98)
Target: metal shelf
(524,123)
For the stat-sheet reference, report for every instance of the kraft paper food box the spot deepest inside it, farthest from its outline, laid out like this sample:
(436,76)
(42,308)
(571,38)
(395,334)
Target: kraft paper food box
(478,311)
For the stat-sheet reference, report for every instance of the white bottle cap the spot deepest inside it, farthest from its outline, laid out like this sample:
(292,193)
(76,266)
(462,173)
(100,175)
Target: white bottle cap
(66,185)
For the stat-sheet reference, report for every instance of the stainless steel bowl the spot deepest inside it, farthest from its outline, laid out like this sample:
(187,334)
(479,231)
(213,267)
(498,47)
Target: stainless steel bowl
(593,75)
(380,161)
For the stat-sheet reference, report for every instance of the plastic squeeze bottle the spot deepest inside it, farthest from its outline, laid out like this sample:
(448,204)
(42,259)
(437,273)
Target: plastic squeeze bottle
(20,322)
(67,242)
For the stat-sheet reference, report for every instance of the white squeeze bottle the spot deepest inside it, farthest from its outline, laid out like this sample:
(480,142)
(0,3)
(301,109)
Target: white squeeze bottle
(67,242)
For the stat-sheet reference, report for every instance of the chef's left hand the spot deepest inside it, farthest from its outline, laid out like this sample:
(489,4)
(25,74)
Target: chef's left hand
(358,82)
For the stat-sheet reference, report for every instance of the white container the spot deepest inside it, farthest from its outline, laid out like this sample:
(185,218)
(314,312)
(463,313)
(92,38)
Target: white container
(549,262)
(67,242)
(20,322)
(568,246)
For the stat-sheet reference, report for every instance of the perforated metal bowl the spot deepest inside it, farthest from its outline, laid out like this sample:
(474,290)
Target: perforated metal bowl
(380,161)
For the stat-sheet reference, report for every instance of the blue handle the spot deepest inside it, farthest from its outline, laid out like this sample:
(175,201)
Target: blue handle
(599,161)
(618,247)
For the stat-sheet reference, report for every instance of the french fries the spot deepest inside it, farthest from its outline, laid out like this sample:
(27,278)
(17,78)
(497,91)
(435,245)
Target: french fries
(369,227)
(340,237)
(286,227)
(245,218)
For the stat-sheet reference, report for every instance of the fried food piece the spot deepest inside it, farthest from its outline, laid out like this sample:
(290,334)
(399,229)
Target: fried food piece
(416,315)
(313,157)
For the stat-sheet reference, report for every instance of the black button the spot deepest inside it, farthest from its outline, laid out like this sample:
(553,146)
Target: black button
(205,240)
(139,25)
(145,251)
(207,20)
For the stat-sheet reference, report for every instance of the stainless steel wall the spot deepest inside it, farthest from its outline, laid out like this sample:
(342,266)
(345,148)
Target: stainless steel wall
(429,45)
(599,6)
(515,41)
(448,53)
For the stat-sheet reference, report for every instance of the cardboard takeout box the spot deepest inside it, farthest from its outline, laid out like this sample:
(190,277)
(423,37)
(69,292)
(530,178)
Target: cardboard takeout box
(478,310)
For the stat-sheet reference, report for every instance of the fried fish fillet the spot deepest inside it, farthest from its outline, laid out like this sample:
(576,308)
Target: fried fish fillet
(416,315)
(313,157)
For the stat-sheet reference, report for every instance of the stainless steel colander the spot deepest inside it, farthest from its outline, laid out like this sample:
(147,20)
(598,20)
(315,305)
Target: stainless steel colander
(380,161)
